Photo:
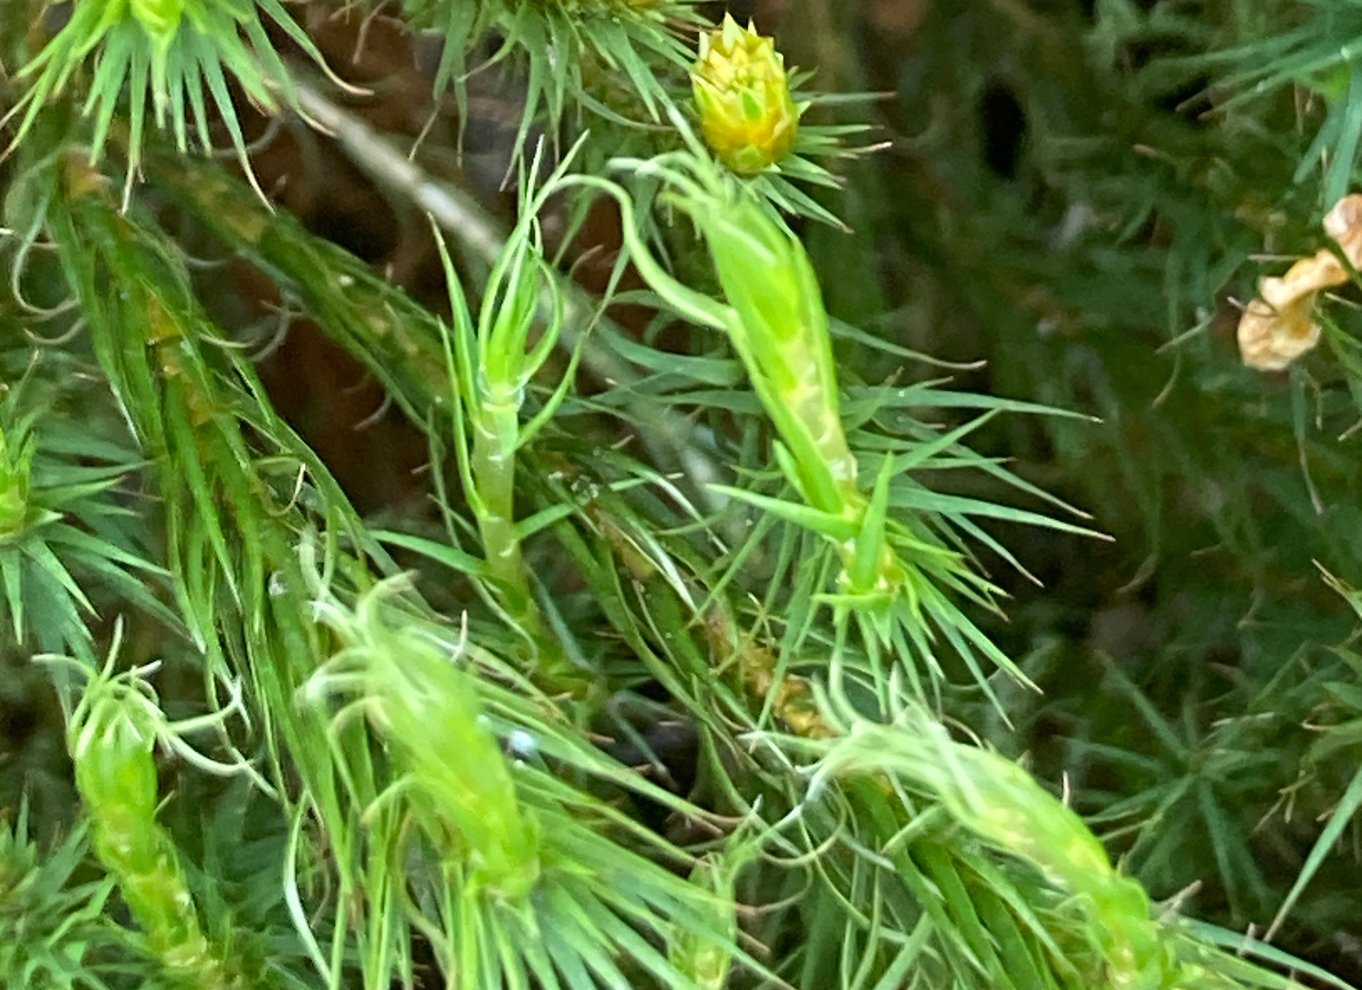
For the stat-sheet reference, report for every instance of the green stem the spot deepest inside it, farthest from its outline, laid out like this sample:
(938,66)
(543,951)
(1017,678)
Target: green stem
(143,859)
(110,743)
(495,429)
(493,466)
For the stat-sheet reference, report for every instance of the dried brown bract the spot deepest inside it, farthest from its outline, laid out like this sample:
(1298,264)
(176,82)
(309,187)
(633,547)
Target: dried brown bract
(1279,325)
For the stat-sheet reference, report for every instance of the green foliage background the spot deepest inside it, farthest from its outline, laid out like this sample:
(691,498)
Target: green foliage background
(1033,281)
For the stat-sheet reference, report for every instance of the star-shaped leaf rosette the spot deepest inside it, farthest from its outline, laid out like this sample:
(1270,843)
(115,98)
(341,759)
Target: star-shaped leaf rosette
(750,111)
(177,55)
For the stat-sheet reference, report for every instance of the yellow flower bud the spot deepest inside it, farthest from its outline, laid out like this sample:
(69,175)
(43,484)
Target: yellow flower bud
(747,116)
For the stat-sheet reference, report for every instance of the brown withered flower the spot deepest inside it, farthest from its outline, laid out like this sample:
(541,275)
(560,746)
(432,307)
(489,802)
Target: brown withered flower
(1279,325)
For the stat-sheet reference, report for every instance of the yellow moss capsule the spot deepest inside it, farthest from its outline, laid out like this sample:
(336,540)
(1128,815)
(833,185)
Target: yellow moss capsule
(747,115)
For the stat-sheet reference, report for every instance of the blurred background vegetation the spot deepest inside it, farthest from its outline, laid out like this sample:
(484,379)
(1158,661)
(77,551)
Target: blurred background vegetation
(1082,195)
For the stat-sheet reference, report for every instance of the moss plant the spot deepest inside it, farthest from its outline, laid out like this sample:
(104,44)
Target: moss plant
(826,564)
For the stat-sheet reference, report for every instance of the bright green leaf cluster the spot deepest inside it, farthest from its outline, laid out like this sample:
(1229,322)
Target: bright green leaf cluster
(491,363)
(528,870)
(65,521)
(16,465)
(52,922)
(195,47)
(894,572)
(424,706)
